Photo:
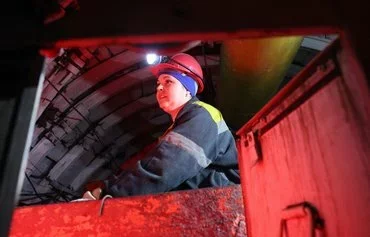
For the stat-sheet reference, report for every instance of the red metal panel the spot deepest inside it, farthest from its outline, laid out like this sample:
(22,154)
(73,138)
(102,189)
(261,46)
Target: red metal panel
(311,147)
(204,212)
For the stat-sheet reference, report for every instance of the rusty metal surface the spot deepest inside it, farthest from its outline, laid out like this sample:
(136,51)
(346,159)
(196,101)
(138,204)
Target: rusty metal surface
(204,212)
(317,153)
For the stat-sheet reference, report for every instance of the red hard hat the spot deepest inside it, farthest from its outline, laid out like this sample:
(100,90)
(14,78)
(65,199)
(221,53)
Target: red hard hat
(184,63)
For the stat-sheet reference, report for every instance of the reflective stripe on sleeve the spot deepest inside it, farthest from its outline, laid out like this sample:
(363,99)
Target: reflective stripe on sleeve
(189,146)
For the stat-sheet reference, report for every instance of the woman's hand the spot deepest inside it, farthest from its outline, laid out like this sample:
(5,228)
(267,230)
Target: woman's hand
(93,195)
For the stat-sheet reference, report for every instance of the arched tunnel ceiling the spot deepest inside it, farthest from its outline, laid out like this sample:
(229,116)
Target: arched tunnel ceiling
(97,109)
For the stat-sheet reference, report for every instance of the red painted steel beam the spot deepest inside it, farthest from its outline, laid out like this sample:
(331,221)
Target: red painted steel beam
(142,21)
(191,20)
(204,212)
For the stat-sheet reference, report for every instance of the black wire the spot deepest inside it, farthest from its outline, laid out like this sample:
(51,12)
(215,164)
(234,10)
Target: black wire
(182,65)
(28,198)
(62,188)
(33,187)
(208,73)
(33,194)
(40,176)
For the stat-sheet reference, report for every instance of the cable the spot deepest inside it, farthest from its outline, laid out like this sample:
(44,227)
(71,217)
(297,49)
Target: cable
(33,187)
(102,204)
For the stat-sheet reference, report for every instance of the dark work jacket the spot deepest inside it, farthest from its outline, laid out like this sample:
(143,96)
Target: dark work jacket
(197,151)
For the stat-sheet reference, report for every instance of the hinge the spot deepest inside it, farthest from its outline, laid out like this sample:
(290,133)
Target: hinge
(253,147)
(298,211)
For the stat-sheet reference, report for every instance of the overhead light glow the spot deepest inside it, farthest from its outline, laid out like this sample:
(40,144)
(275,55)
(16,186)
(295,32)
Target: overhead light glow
(152,58)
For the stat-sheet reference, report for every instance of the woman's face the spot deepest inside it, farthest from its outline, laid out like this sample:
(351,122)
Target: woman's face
(171,94)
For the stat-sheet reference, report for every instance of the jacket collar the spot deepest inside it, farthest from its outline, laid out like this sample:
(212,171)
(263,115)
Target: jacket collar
(186,107)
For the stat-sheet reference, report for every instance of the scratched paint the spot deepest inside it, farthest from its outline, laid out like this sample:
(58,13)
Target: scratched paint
(203,212)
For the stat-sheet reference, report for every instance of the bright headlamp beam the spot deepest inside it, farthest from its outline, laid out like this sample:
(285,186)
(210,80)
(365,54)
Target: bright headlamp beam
(152,58)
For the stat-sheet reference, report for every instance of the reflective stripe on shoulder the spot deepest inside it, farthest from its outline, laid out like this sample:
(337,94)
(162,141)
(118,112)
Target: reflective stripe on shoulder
(216,116)
(189,146)
(222,127)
